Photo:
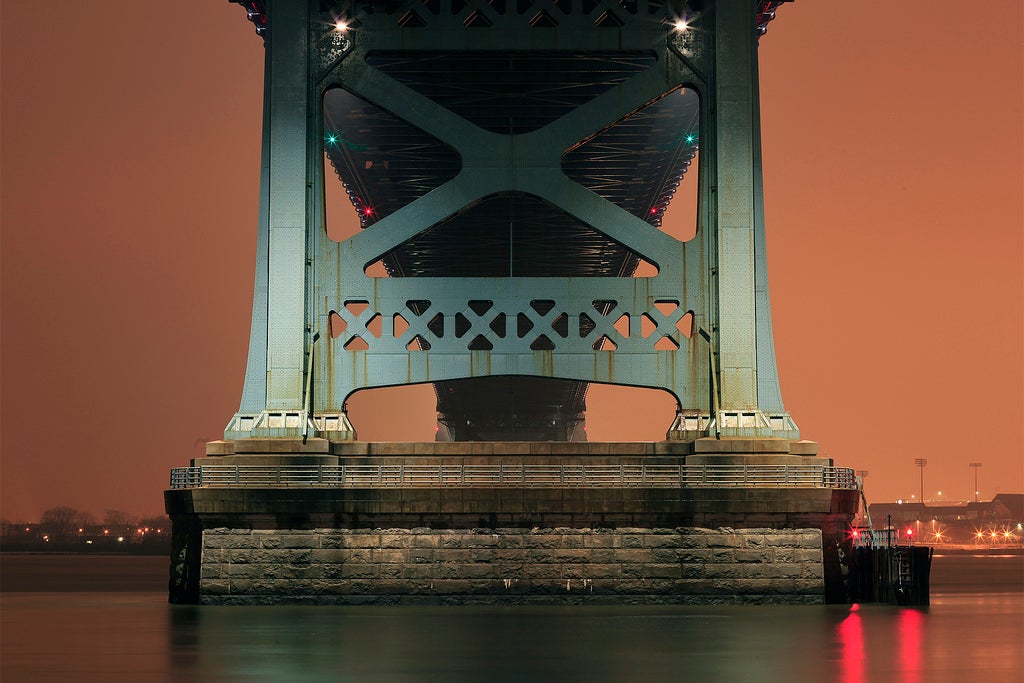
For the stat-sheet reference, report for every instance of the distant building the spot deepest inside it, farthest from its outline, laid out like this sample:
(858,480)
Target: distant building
(999,519)
(1013,503)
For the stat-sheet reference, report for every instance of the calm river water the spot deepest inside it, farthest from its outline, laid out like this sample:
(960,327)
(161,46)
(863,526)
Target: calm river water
(105,618)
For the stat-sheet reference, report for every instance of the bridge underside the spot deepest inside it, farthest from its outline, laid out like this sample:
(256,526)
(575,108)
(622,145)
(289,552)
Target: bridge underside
(637,163)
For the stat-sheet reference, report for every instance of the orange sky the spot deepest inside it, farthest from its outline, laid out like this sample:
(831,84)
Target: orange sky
(130,162)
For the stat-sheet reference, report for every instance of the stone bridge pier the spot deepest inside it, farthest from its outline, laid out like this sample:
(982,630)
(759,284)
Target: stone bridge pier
(511,201)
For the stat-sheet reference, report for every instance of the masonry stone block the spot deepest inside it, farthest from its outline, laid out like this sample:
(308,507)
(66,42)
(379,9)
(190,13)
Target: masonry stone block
(329,556)
(331,571)
(572,541)
(213,555)
(610,570)
(478,571)
(447,570)
(633,571)
(511,541)
(359,571)
(633,541)
(664,555)
(392,540)
(298,556)
(212,541)
(575,572)
(662,571)
(212,571)
(390,556)
(633,555)
(421,555)
(693,542)
(244,571)
(480,541)
(362,586)
(749,555)
(360,555)
(573,556)
(424,540)
(694,555)
(368,540)
(236,541)
(601,555)
(807,587)
(547,540)
(722,556)
(602,540)
(485,555)
(725,541)
(217,586)
(662,541)
(333,540)
(391,571)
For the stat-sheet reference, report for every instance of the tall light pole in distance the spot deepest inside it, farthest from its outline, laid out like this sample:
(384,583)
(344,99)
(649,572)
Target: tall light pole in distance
(921,462)
(975,466)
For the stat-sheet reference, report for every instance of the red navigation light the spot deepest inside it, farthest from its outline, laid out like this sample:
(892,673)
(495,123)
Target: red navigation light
(910,532)
(368,211)
(856,534)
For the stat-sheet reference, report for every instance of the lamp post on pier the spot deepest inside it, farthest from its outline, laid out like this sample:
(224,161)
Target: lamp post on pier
(975,466)
(921,462)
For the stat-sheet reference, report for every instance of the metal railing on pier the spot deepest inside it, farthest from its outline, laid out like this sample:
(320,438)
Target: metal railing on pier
(512,476)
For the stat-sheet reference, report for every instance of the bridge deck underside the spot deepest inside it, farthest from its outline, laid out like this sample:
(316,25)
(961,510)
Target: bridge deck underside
(384,164)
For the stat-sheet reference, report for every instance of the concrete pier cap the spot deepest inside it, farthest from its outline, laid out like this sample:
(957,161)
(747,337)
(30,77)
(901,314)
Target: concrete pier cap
(712,521)
(310,449)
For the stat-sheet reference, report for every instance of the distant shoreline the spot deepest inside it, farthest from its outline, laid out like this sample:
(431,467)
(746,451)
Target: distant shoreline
(145,552)
(165,552)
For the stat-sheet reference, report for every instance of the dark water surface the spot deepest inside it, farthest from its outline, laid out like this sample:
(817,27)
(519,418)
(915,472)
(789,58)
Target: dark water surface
(105,618)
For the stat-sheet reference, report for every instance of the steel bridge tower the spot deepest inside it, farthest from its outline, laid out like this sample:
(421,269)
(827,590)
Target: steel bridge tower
(510,162)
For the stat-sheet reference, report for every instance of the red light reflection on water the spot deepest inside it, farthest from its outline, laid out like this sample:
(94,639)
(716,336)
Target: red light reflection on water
(908,631)
(851,639)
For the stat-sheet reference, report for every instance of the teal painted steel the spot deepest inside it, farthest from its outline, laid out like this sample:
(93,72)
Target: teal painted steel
(305,279)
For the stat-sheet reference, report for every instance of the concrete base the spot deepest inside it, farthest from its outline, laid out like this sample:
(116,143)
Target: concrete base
(355,449)
(501,565)
(535,528)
